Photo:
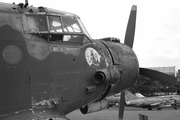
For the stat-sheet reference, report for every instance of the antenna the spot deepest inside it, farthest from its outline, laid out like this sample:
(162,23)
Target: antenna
(26,3)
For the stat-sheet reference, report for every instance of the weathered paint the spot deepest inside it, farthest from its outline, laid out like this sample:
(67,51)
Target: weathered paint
(12,54)
(40,49)
(42,103)
(14,84)
(37,49)
(66,50)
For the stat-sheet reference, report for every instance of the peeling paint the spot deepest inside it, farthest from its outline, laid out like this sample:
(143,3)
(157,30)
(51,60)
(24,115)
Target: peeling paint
(107,62)
(67,50)
(42,103)
(106,59)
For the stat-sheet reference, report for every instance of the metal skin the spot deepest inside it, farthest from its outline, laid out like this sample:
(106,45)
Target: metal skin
(41,78)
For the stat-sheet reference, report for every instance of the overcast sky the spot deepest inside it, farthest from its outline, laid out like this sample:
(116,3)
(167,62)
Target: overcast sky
(157,37)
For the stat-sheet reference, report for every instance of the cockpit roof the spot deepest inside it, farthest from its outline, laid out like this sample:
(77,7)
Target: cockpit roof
(30,10)
(22,8)
(57,12)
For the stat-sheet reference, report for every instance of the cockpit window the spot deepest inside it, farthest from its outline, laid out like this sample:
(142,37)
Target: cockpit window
(44,24)
(71,24)
(36,23)
(55,24)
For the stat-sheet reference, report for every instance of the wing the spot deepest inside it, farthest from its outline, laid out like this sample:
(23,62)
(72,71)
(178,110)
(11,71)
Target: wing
(156,104)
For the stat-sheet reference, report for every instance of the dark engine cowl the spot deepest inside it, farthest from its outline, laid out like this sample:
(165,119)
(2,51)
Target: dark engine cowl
(126,62)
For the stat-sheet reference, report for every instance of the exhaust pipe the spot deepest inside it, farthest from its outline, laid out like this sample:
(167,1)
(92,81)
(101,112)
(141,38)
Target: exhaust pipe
(107,75)
(94,107)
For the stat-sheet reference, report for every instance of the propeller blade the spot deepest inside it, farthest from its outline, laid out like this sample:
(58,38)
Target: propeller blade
(130,30)
(162,77)
(121,105)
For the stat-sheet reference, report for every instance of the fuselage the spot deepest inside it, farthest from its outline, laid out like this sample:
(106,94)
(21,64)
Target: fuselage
(145,102)
(48,62)
(157,101)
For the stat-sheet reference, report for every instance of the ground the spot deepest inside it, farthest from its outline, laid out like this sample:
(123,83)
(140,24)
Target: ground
(130,113)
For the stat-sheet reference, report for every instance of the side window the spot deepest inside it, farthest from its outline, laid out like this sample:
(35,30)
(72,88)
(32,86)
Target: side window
(55,24)
(36,23)
(56,29)
(42,23)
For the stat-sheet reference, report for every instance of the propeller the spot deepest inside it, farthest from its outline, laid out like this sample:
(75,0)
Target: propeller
(121,105)
(129,39)
(130,30)
(162,77)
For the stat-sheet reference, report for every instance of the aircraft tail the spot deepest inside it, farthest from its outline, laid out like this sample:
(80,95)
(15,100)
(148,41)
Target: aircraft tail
(139,95)
(130,96)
